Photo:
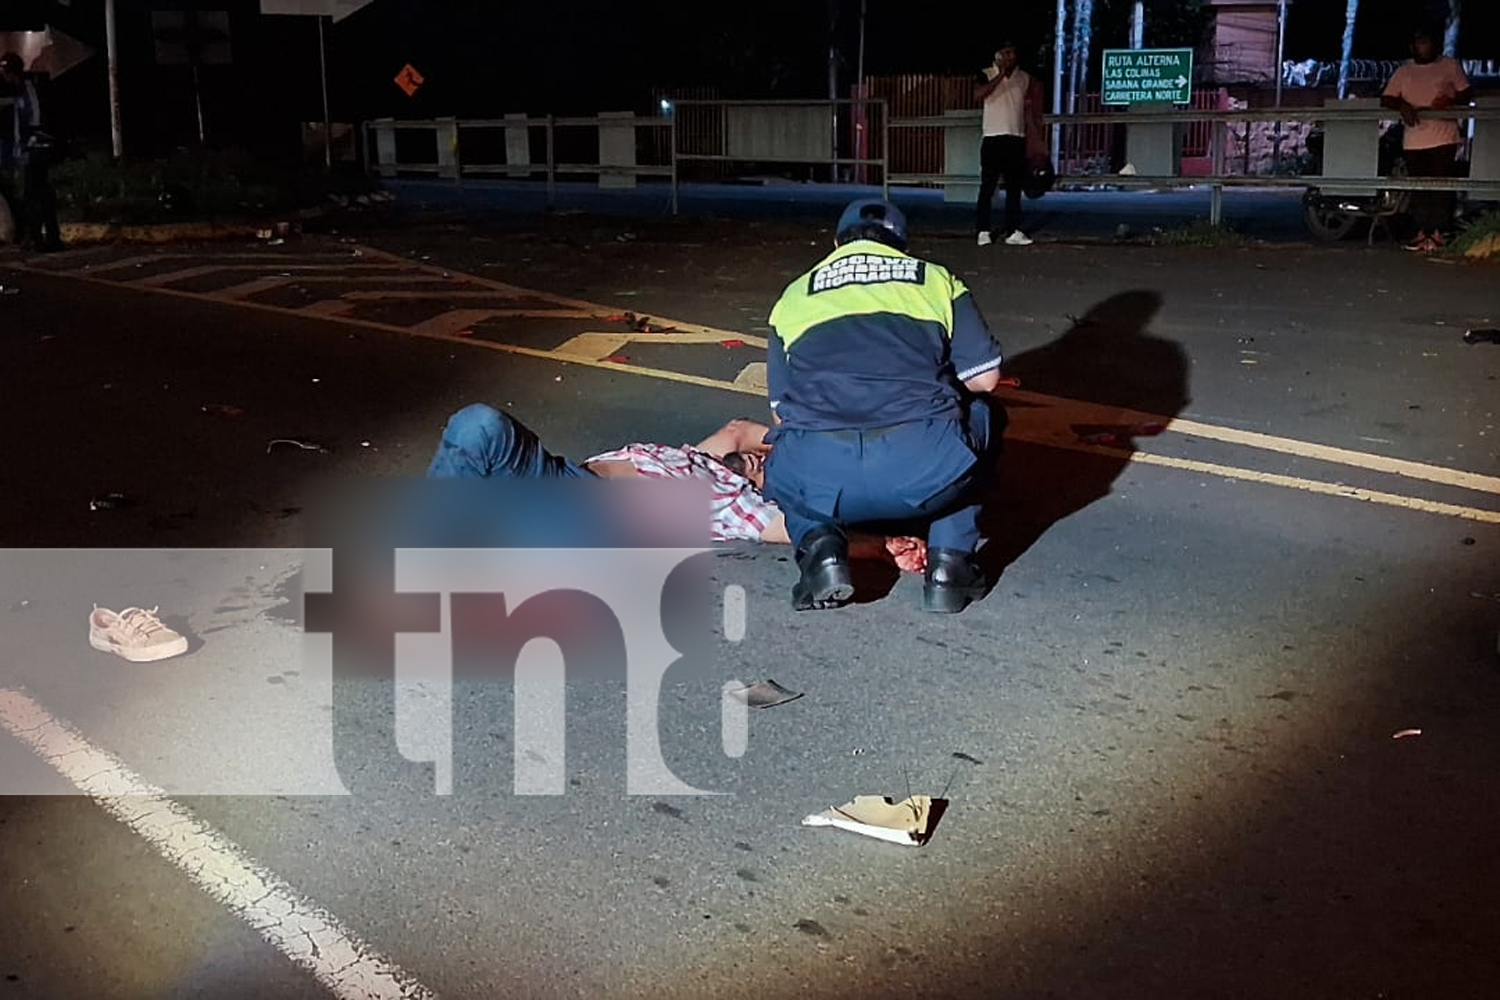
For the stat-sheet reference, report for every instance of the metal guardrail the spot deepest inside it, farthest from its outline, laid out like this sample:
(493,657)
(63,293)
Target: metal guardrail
(1487,113)
(451,164)
(1218,179)
(770,140)
(757,148)
(774,142)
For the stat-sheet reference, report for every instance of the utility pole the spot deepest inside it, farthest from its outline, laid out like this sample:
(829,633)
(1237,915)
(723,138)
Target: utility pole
(862,112)
(327,116)
(863,5)
(833,82)
(117,141)
(1280,47)
(1138,25)
(1280,73)
(1059,54)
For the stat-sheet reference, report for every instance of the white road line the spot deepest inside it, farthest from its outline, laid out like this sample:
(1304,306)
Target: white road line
(302,931)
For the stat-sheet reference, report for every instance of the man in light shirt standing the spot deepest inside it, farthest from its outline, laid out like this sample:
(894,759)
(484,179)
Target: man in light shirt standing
(1005,90)
(1430,82)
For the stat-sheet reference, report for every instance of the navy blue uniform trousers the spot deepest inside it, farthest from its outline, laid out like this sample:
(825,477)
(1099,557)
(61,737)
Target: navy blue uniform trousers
(932,471)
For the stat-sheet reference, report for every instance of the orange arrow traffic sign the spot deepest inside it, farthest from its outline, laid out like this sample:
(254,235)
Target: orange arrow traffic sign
(409,79)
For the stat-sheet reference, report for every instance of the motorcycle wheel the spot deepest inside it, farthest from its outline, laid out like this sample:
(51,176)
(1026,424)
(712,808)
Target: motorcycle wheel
(1325,221)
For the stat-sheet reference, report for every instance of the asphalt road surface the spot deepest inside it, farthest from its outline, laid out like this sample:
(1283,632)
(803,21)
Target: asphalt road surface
(1272,214)
(1167,739)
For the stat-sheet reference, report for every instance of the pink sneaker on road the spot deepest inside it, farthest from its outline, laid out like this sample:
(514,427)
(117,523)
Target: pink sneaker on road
(134,634)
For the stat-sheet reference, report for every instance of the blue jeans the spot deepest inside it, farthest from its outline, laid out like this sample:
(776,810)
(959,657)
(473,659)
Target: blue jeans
(503,489)
(481,442)
(932,472)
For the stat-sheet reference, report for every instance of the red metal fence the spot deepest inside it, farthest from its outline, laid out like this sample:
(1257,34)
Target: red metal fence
(1084,149)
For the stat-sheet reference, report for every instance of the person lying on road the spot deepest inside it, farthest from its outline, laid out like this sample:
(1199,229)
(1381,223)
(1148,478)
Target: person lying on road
(482,442)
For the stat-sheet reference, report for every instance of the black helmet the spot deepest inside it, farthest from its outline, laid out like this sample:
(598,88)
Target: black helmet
(873,218)
(1039,180)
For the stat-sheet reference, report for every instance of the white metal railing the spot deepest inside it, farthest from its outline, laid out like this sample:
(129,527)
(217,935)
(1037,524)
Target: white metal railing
(963,139)
(782,132)
(805,132)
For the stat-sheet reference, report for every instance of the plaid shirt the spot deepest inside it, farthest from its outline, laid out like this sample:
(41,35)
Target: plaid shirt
(738,512)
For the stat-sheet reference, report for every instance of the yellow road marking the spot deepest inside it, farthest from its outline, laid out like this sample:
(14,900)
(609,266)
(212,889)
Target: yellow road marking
(752,384)
(615,366)
(152,280)
(597,346)
(1109,415)
(751,381)
(451,321)
(1317,486)
(1343,456)
(353,279)
(753,377)
(601,311)
(594,346)
(461,293)
(247,288)
(324,308)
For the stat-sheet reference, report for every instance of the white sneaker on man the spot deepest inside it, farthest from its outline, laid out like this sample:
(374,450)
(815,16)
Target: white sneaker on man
(985,239)
(1018,239)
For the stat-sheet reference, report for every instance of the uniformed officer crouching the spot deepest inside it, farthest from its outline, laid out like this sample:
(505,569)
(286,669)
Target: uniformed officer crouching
(877,367)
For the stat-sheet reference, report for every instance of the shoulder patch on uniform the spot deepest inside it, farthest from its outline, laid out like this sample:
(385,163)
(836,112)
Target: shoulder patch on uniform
(866,269)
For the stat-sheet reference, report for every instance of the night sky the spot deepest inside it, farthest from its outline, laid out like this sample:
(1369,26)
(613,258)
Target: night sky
(489,57)
(591,56)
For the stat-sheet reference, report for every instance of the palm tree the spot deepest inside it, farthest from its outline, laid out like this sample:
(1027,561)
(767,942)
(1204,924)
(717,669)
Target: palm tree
(1350,13)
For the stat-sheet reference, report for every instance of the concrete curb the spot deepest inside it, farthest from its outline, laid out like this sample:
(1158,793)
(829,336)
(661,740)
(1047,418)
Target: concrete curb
(81,233)
(1485,249)
(84,233)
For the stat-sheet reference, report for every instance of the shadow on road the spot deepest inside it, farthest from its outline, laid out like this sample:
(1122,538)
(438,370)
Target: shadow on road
(1108,358)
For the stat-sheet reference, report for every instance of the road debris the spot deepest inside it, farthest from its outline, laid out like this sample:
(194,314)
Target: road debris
(110,501)
(22,605)
(731,343)
(909,822)
(643,324)
(764,694)
(304,445)
(222,410)
(1405,733)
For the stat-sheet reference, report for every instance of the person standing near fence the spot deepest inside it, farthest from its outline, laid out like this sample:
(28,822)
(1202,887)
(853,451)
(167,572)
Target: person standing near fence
(1430,82)
(1012,101)
(32,149)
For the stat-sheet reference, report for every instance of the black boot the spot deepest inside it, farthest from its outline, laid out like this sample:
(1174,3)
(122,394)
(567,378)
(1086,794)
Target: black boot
(954,579)
(826,581)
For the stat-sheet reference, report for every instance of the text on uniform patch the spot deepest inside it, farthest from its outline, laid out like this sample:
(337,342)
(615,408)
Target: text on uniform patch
(866,269)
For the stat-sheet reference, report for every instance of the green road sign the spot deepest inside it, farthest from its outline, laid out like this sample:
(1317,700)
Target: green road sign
(1148,76)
